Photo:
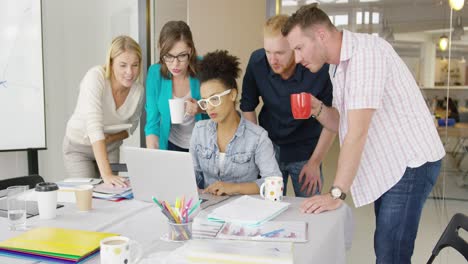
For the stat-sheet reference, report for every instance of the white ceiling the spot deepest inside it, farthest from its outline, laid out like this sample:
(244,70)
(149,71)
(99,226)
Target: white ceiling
(412,21)
(402,15)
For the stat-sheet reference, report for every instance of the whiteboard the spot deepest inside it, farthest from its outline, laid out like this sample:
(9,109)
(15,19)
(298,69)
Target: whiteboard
(22,113)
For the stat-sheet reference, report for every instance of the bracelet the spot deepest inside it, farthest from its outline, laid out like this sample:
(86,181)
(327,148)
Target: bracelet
(319,111)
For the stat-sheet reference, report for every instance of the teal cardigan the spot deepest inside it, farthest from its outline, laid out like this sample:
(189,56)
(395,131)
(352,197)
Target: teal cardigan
(158,93)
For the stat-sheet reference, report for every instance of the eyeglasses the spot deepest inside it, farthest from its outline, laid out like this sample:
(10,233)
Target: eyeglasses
(214,100)
(180,58)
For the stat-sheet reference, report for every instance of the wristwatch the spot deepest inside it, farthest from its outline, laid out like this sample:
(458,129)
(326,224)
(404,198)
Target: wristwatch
(337,193)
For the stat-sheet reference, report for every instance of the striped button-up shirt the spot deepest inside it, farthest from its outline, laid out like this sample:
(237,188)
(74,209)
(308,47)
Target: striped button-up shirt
(402,133)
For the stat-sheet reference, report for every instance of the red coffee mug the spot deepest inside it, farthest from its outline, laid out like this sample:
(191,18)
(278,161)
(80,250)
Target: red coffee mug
(301,105)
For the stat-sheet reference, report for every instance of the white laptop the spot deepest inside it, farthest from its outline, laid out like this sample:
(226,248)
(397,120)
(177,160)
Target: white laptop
(164,175)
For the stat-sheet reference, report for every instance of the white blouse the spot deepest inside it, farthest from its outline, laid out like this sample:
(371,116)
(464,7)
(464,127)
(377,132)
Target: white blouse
(96,108)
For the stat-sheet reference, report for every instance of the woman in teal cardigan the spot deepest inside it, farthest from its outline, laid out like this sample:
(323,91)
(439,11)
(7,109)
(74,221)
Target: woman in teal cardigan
(173,77)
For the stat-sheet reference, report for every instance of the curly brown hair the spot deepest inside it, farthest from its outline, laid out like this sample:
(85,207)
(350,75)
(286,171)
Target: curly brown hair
(219,65)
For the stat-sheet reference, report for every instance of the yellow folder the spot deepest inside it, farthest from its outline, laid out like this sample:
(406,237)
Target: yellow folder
(56,241)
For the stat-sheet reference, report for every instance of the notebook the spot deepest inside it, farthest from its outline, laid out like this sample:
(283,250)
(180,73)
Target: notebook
(248,210)
(54,244)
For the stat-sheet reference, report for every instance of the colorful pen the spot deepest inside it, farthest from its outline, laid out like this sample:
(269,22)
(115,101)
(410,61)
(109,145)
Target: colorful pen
(157,202)
(274,232)
(194,207)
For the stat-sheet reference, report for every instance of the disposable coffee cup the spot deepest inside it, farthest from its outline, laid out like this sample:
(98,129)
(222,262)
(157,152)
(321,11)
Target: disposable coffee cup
(177,109)
(47,199)
(84,197)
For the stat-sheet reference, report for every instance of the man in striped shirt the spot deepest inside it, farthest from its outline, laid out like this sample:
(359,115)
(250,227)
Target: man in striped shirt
(390,149)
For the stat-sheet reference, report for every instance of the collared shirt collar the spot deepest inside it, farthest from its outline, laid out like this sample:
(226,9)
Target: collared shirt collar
(347,46)
(212,127)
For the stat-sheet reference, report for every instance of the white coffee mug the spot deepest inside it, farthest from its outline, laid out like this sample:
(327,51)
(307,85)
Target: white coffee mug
(177,109)
(47,199)
(119,249)
(272,188)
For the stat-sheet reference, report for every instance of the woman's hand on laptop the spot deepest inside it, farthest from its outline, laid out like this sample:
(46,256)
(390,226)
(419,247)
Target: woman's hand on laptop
(222,188)
(115,180)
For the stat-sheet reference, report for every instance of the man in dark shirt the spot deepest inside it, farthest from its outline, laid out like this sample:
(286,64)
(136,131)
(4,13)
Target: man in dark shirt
(272,74)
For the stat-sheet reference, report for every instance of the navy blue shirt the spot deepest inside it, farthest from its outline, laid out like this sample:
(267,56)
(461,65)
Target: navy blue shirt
(296,138)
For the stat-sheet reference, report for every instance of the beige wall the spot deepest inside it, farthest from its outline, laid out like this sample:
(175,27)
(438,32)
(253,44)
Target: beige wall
(225,24)
(164,11)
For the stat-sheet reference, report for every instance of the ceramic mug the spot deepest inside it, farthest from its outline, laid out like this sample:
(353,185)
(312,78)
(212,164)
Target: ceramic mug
(177,110)
(301,105)
(119,249)
(272,189)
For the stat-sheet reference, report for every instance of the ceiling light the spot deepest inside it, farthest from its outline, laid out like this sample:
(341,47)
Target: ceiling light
(443,42)
(457,5)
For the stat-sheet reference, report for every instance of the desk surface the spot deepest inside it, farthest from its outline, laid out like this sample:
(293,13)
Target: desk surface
(330,233)
(459,130)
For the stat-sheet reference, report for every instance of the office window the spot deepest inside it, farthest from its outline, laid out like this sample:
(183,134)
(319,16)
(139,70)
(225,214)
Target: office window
(359,18)
(366,17)
(341,20)
(289,3)
(375,18)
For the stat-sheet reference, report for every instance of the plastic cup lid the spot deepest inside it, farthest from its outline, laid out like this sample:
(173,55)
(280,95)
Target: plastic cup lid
(46,187)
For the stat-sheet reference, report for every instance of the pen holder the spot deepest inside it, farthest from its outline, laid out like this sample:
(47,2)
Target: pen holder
(179,232)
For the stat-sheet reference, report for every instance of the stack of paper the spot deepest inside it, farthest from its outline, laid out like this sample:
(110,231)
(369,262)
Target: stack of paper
(209,251)
(247,210)
(54,244)
(73,182)
(109,192)
(283,231)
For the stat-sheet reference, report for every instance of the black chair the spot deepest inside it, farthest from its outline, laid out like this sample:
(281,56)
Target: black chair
(118,167)
(30,180)
(450,237)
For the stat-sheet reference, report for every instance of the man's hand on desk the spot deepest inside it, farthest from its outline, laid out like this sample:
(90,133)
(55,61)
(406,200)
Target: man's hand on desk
(320,203)
(221,188)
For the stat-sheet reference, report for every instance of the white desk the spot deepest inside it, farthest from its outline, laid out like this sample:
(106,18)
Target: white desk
(330,233)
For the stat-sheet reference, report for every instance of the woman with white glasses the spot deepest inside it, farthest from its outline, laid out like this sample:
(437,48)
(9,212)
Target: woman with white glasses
(229,152)
(172,78)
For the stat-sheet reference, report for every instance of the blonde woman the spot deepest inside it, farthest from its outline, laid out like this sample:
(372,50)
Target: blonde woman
(110,94)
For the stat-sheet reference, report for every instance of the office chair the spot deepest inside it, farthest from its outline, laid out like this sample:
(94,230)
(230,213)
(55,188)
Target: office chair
(450,237)
(30,180)
(118,167)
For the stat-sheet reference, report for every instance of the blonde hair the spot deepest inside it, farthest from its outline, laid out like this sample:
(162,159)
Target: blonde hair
(273,25)
(118,46)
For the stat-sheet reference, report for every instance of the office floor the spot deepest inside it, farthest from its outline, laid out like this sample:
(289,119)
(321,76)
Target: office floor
(434,219)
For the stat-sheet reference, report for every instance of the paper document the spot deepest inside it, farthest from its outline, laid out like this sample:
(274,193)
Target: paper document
(282,231)
(247,210)
(229,251)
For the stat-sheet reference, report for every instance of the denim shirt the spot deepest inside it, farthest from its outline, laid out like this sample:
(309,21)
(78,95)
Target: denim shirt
(249,153)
